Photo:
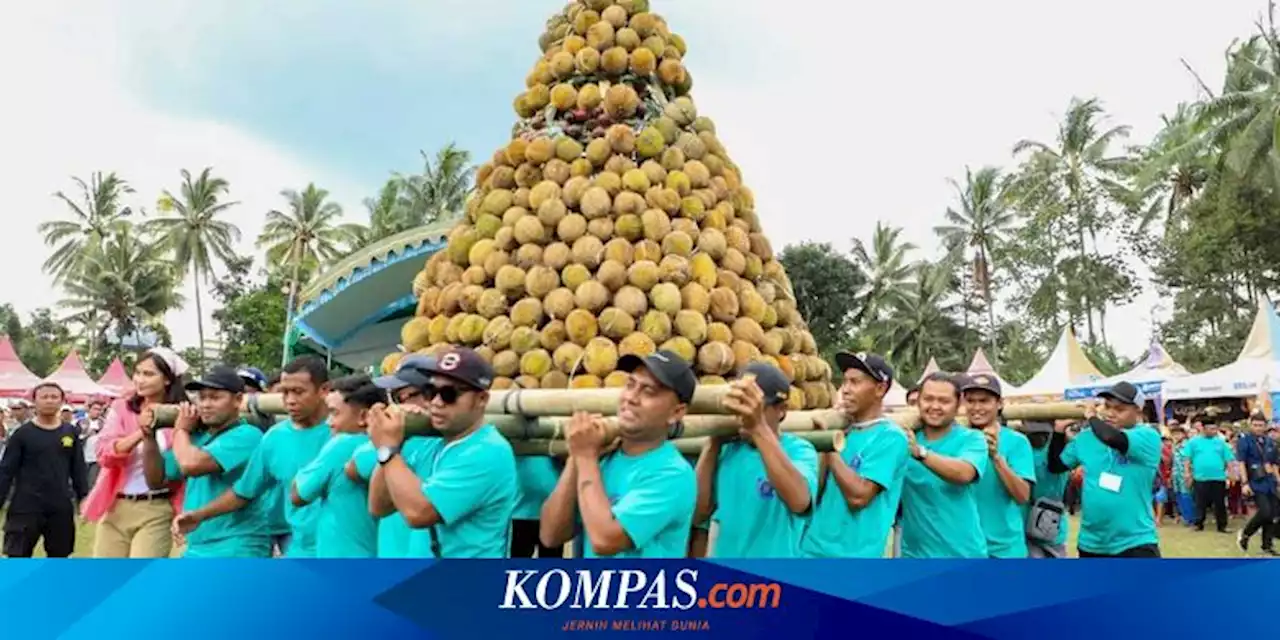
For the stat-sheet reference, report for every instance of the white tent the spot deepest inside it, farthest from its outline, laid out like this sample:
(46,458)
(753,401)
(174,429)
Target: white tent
(1157,368)
(897,396)
(932,367)
(1067,366)
(1255,372)
(981,365)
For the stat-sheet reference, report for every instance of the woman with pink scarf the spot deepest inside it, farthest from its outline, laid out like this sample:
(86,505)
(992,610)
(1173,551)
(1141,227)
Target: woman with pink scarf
(133,520)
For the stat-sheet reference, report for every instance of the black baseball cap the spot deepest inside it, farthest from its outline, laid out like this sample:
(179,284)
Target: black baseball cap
(771,381)
(871,364)
(981,382)
(220,378)
(1033,427)
(672,371)
(1124,392)
(413,371)
(462,365)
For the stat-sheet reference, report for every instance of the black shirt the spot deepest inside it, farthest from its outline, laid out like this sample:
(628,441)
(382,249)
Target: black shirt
(45,467)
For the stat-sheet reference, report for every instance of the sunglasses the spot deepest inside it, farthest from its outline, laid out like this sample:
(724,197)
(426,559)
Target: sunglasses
(447,394)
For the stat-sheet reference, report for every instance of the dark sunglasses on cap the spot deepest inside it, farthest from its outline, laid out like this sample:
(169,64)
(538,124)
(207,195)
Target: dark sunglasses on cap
(448,394)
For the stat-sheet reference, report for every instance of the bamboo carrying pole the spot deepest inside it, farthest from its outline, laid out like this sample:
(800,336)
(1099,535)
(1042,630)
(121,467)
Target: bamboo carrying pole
(823,441)
(706,416)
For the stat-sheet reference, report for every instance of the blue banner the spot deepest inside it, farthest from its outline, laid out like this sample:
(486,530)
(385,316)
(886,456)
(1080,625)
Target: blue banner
(1150,388)
(526,600)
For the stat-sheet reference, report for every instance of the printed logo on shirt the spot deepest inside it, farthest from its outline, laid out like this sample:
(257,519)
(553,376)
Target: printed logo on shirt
(67,441)
(764,488)
(855,462)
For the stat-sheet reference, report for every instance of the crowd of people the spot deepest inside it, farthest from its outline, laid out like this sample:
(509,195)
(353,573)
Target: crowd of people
(180,465)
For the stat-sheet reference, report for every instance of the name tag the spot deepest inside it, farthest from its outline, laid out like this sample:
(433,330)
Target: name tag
(1110,481)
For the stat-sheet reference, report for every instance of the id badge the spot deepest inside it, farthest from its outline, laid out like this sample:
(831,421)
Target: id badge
(1110,481)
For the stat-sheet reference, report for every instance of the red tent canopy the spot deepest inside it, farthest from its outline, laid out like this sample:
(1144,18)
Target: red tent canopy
(16,380)
(73,379)
(116,379)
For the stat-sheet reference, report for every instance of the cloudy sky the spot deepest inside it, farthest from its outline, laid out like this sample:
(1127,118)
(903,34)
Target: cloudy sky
(839,116)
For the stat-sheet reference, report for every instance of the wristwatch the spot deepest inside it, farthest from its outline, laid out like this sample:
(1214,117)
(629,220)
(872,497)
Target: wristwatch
(923,453)
(385,454)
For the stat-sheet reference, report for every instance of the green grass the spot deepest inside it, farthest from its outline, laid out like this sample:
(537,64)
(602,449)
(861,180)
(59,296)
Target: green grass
(1176,541)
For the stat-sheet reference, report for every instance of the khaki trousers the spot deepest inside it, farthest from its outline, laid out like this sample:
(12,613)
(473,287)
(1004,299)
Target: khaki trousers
(135,529)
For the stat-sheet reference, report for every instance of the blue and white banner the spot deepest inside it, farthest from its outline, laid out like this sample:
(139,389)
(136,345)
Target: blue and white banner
(526,600)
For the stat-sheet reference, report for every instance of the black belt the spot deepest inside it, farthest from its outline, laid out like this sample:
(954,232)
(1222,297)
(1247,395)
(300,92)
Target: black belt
(144,497)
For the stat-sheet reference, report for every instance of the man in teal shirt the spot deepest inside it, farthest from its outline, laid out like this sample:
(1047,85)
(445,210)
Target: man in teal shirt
(466,503)
(1207,457)
(638,501)
(211,448)
(345,528)
(1005,490)
(1046,496)
(285,449)
(396,539)
(1120,457)
(759,488)
(860,487)
(537,477)
(939,502)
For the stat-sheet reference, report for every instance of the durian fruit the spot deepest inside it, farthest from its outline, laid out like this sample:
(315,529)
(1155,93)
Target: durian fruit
(612,223)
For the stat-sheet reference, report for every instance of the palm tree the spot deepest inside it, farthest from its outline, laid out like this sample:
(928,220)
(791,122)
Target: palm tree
(982,224)
(1244,117)
(193,233)
(129,279)
(887,269)
(1080,167)
(306,237)
(440,191)
(92,216)
(386,216)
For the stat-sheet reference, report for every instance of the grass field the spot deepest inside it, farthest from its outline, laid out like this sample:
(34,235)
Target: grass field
(1176,541)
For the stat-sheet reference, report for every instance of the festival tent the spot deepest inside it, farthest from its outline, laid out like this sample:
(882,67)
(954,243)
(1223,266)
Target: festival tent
(73,379)
(897,396)
(16,380)
(1255,372)
(1067,366)
(981,365)
(930,368)
(116,379)
(1149,376)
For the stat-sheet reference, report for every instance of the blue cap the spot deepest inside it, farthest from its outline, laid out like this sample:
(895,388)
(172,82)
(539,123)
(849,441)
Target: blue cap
(414,370)
(253,377)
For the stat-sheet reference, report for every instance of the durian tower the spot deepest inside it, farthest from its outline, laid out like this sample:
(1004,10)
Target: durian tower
(613,223)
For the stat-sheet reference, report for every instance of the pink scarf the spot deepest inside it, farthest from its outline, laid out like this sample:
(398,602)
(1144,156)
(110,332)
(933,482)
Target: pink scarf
(120,422)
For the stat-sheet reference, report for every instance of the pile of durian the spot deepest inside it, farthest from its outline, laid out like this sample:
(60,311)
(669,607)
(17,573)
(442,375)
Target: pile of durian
(612,223)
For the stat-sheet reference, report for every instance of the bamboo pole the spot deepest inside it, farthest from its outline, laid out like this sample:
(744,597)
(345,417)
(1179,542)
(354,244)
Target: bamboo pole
(552,427)
(823,441)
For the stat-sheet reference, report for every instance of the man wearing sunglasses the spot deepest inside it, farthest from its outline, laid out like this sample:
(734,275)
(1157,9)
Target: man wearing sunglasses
(396,539)
(638,501)
(466,503)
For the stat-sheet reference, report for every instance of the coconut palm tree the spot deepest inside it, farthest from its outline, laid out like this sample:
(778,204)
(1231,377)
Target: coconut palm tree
(981,225)
(306,236)
(386,216)
(92,216)
(440,191)
(1080,168)
(192,231)
(887,268)
(129,279)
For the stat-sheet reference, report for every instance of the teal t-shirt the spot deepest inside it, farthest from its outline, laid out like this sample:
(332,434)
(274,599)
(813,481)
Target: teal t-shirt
(705,525)
(537,476)
(284,451)
(878,452)
(1116,499)
(1049,485)
(345,528)
(940,519)
(1179,469)
(653,496)
(752,520)
(396,539)
(472,485)
(1003,520)
(239,534)
(1209,456)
